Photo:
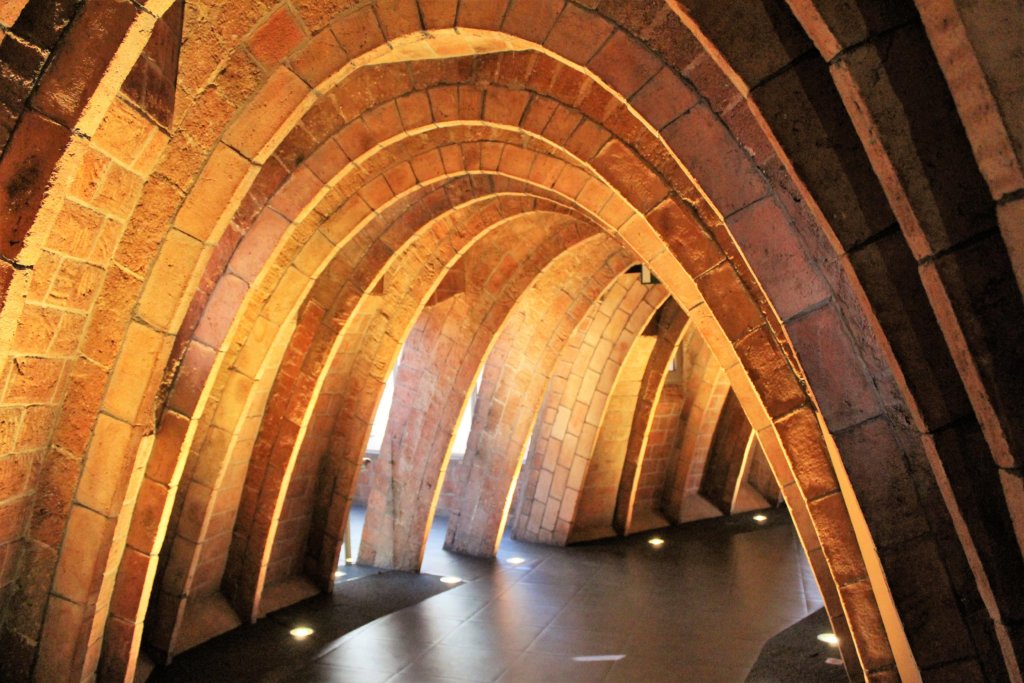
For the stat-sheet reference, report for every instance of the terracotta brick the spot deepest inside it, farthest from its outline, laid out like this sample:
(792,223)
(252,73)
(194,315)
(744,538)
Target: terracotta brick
(80,568)
(664,98)
(262,122)
(358,32)
(578,34)
(166,460)
(729,300)
(274,40)
(130,382)
(113,309)
(485,15)
(32,153)
(505,106)
(107,466)
(624,63)
(61,639)
(134,578)
(686,237)
(203,213)
(718,164)
(531,19)
(319,59)
(178,262)
(81,63)
(838,541)
(805,448)
(773,377)
(149,521)
(631,176)
(250,256)
(862,614)
(220,311)
(398,17)
(843,388)
(298,194)
(775,253)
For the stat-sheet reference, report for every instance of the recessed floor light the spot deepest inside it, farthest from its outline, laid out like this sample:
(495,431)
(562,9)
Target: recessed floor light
(515,560)
(300,632)
(350,560)
(656,542)
(760,518)
(598,658)
(829,638)
(450,579)
(338,575)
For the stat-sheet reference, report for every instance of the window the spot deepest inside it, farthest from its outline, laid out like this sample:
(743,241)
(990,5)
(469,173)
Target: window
(465,425)
(380,418)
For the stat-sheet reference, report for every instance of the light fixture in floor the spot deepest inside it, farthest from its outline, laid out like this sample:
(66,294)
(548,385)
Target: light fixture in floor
(339,574)
(598,658)
(301,632)
(656,541)
(450,580)
(760,519)
(515,560)
(350,560)
(830,638)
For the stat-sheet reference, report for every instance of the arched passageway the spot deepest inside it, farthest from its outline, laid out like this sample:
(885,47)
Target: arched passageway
(222,222)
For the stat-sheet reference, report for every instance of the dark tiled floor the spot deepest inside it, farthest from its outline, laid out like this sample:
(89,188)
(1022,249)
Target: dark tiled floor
(698,608)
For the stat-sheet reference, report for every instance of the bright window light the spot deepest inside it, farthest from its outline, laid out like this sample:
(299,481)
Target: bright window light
(465,426)
(380,418)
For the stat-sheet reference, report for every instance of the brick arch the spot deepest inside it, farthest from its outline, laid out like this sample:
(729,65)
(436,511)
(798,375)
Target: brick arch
(457,228)
(172,397)
(708,385)
(569,428)
(671,325)
(890,127)
(693,458)
(324,436)
(515,378)
(448,366)
(510,20)
(330,304)
(343,433)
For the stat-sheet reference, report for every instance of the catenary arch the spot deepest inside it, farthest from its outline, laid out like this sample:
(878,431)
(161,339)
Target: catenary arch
(566,437)
(396,539)
(332,304)
(511,401)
